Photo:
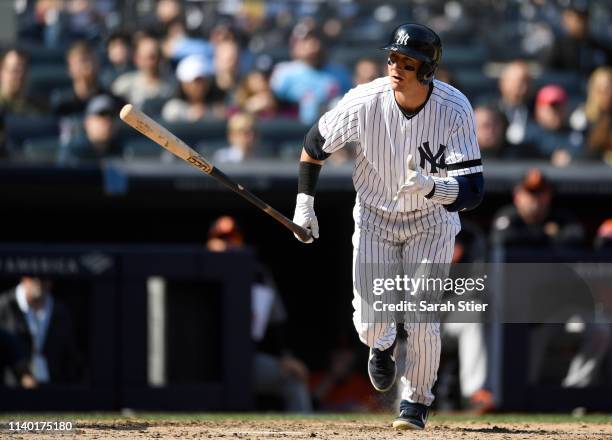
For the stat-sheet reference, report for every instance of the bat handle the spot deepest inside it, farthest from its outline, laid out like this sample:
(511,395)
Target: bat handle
(303,233)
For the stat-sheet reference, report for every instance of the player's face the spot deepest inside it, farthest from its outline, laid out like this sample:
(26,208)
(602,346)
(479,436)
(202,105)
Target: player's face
(402,70)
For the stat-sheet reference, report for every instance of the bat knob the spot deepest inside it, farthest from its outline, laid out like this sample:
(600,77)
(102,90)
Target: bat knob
(304,234)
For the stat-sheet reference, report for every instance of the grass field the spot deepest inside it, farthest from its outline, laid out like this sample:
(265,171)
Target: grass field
(321,426)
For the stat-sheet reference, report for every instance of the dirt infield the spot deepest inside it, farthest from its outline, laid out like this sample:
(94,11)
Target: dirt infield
(317,428)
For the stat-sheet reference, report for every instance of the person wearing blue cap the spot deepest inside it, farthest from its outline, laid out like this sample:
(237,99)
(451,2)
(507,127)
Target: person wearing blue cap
(99,138)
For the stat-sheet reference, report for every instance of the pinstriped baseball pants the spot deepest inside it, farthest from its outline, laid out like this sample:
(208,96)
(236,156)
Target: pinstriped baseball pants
(386,244)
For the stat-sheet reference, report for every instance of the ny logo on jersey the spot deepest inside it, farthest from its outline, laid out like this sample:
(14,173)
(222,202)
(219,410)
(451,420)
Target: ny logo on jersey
(435,160)
(402,39)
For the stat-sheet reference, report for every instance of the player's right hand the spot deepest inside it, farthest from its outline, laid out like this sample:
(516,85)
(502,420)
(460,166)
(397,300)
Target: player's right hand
(416,183)
(305,216)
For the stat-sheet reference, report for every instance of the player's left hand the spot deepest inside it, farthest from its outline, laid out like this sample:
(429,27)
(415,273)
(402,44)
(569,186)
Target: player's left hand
(416,183)
(305,216)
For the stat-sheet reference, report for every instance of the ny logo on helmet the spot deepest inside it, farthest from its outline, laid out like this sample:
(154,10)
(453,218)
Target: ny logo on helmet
(402,39)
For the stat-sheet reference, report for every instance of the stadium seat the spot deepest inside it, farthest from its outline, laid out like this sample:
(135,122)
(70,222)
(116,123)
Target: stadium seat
(474,83)
(19,128)
(363,36)
(138,149)
(153,106)
(278,53)
(278,132)
(192,133)
(40,54)
(47,77)
(208,147)
(289,151)
(197,132)
(348,56)
(40,150)
(570,81)
(468,56)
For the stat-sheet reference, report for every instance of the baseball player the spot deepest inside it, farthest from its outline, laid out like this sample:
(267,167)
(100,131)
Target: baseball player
(417,165)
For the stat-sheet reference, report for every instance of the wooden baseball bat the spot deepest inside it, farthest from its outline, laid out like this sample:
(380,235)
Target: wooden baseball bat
(160,135)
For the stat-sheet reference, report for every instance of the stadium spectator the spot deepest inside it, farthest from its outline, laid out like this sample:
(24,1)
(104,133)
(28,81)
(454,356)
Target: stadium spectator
(550,134)
(577,50)
(223,30)
(70,103)
(13,76)
(467,333)
(83,69)
(174,34)
(194,74)
(255,96)
(595,116)
(531,219)
(119,55)
(304,80)
(178,43)
(242,136)
(44,327)
(64,22)
(35,18)
(227,71)
(234,31)
(166,13)
(276,371)
(99,139)
(491,126)
(340,385)
(149,82)
(603,238)
(514,86)
(14,368)
(366,70)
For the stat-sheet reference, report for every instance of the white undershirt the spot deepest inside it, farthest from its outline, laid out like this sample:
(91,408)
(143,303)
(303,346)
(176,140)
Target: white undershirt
(38,324)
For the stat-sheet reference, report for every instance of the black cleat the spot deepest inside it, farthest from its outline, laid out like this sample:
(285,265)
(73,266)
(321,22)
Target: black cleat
(411,416)
(381,368)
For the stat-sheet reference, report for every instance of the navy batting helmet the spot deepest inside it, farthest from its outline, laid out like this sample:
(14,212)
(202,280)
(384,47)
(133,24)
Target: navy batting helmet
(419,42)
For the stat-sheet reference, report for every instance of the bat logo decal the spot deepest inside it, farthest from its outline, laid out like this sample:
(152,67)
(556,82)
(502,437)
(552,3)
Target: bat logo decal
(200,163)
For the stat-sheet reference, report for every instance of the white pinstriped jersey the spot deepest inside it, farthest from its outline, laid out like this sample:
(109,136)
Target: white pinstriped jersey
(441,138)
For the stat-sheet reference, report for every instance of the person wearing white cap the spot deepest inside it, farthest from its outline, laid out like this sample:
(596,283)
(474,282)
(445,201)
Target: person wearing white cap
(194,74)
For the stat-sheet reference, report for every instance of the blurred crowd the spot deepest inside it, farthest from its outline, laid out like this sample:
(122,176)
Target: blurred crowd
(224,75)
(242,80)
